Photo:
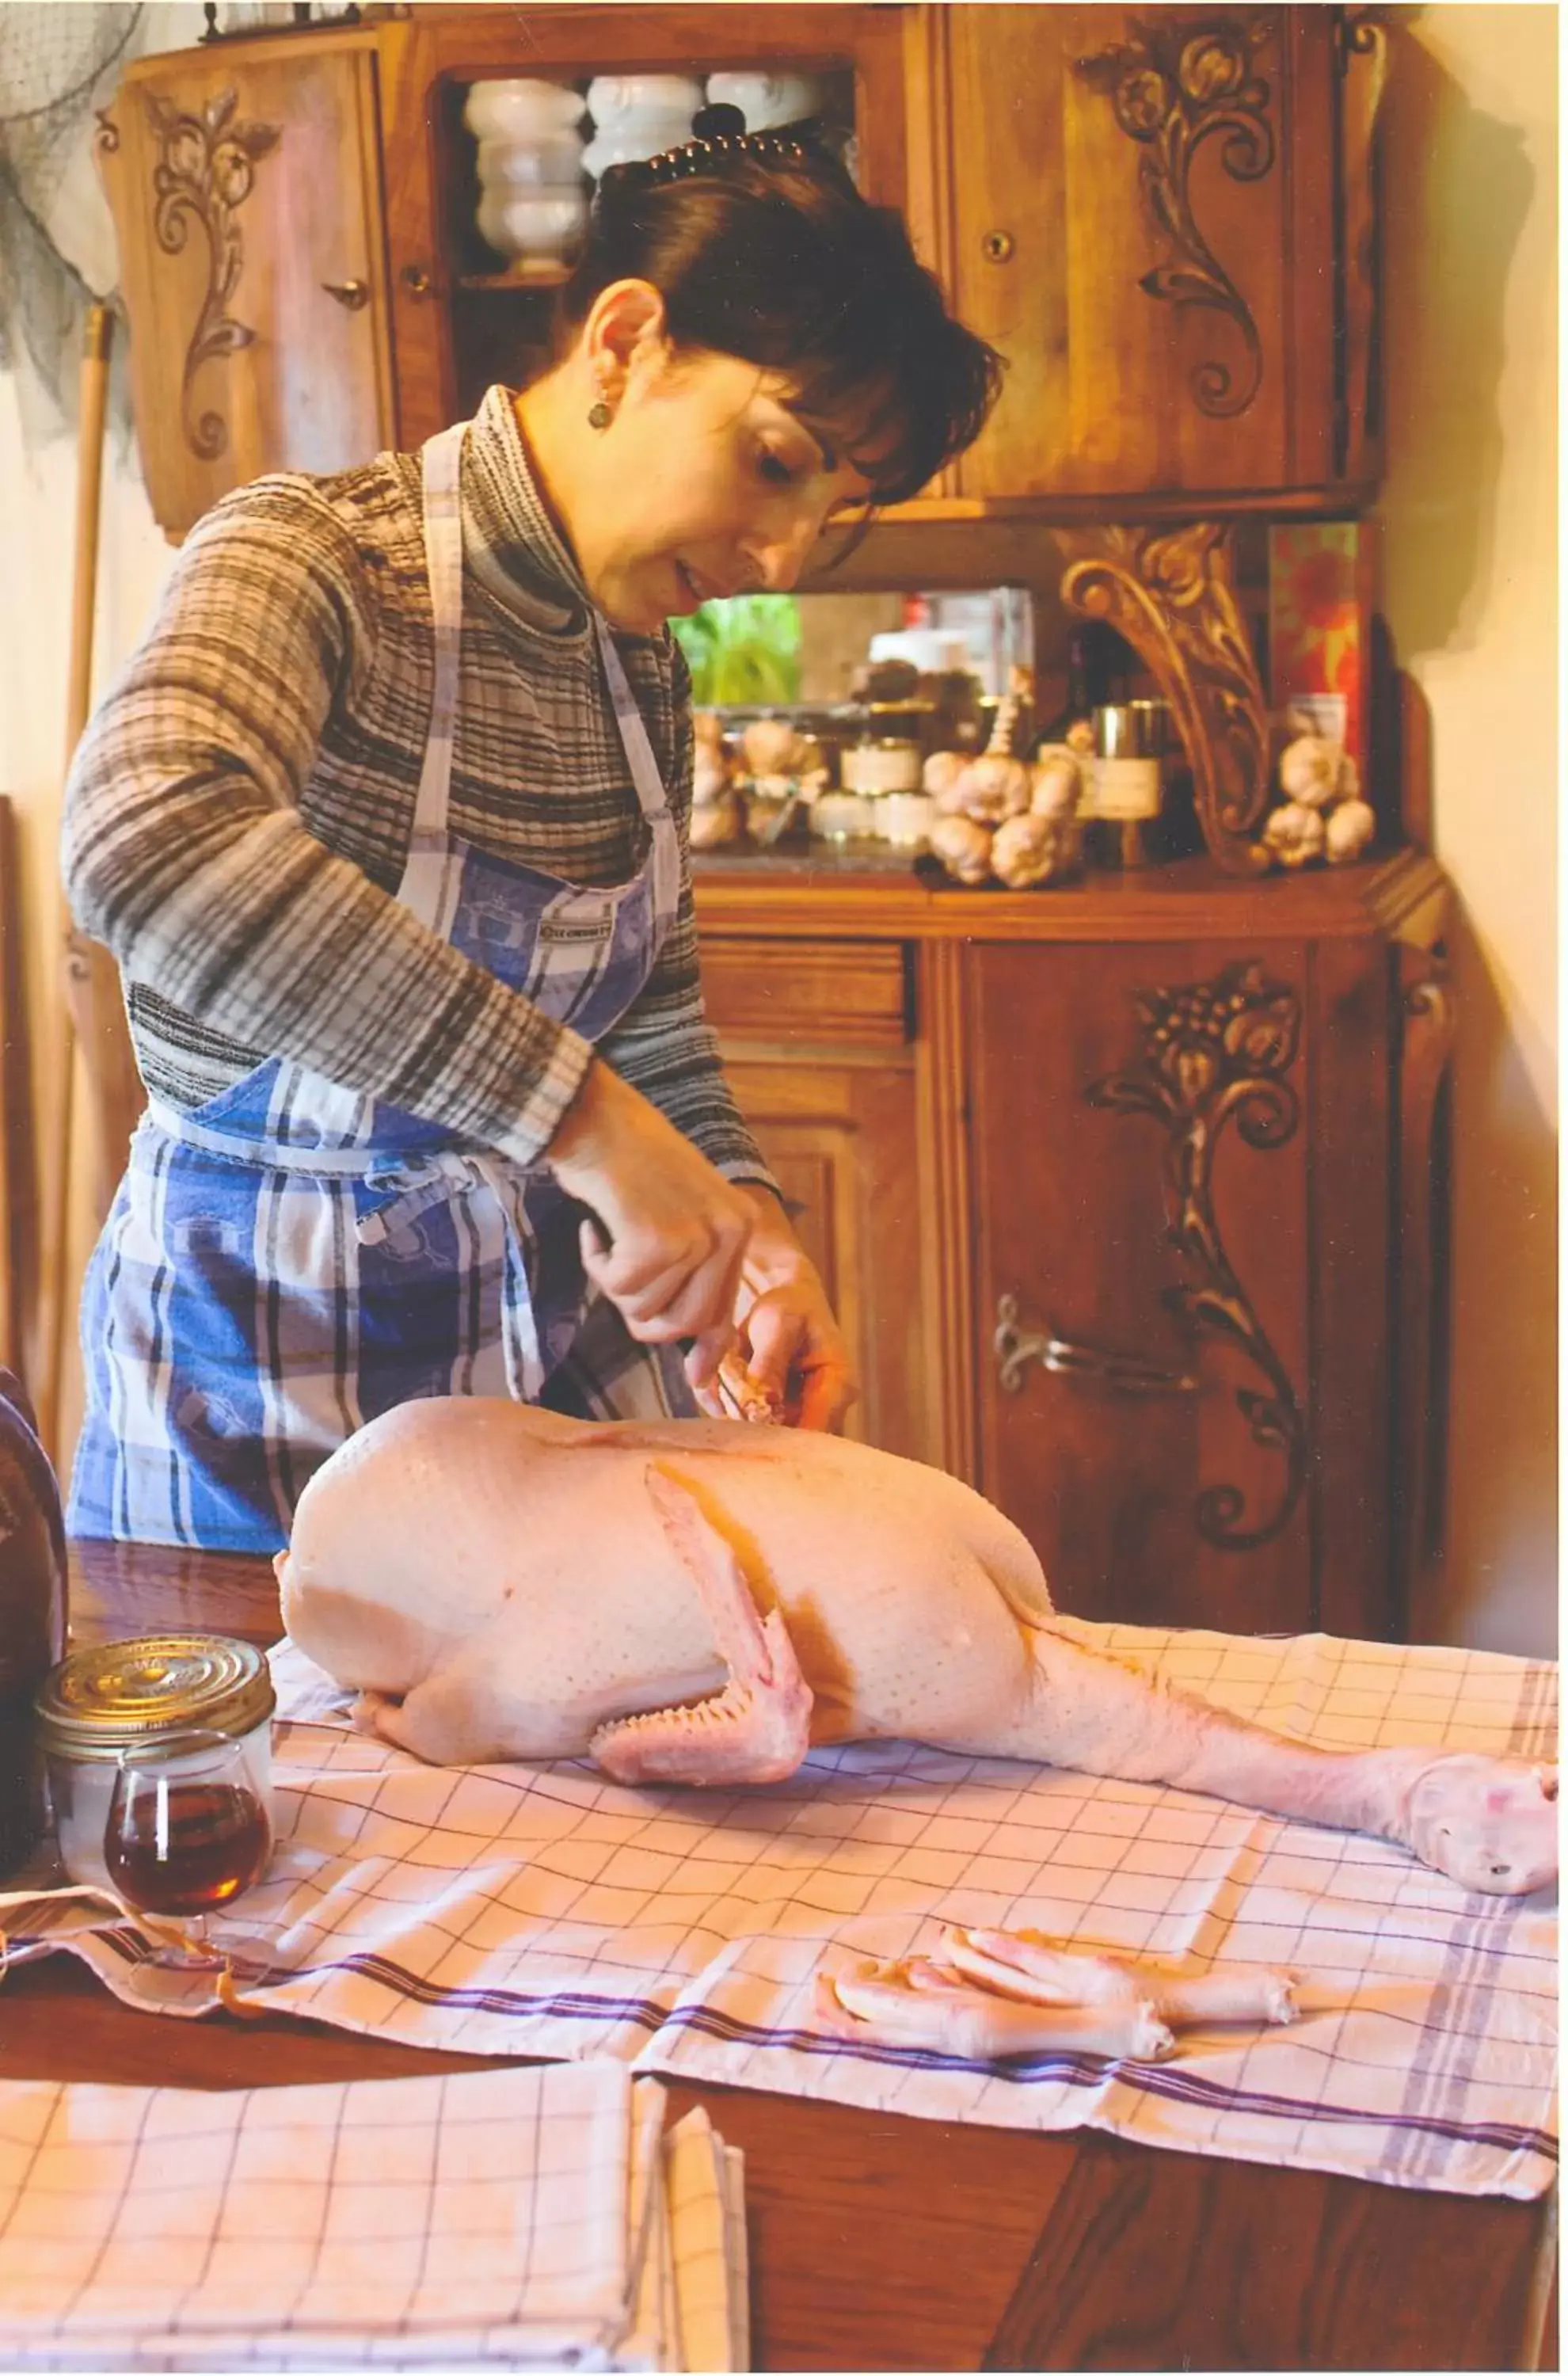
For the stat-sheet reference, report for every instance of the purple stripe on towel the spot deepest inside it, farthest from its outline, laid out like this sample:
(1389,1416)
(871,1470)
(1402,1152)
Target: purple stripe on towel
(1164,2080)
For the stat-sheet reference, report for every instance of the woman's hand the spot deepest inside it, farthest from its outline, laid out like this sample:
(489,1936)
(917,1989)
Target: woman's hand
(677,1229)
(790,1341)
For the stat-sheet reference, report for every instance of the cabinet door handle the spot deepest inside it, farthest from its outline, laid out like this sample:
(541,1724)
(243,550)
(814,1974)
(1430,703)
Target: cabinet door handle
(352,294)
(997,247)
(415,280)
(1117,1373)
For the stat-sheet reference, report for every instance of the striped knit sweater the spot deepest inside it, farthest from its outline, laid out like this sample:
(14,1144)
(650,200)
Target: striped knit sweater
(239,809)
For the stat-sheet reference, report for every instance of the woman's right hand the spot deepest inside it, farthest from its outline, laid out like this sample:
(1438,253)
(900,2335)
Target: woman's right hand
(677,1229)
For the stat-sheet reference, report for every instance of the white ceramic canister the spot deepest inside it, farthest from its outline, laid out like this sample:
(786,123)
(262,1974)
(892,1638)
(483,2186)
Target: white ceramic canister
(115,1695)
(552,160)
(638,115)
(533,199)
(765,99)
(522,110)
(541,226)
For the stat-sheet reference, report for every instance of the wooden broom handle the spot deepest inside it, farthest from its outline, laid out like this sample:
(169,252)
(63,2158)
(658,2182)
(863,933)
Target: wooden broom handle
(98,337)
(78,952)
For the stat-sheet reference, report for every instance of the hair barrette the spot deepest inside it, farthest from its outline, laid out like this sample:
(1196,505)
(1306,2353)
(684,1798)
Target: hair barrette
(719,137)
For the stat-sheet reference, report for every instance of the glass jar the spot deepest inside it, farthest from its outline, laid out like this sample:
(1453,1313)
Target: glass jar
(905,819)
(102,1700)
(842,816)
(1128,777)
(881,764)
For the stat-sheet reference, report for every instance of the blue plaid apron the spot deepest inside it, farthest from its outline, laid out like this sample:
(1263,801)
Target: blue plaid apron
(291,1258)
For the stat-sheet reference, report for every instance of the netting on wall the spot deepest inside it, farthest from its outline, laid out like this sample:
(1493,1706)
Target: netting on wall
(58,65)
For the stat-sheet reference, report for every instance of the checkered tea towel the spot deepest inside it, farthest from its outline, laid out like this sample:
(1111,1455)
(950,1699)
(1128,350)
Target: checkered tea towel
(548,1911)
(531,2218)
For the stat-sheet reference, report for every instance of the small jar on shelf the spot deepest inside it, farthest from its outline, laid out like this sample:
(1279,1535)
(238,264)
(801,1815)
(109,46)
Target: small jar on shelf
(884,769)
(1127,774)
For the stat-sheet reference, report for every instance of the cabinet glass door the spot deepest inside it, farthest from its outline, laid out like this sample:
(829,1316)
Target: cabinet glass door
(473,274)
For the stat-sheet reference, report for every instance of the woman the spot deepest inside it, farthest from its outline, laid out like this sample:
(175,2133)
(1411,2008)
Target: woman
(385,824)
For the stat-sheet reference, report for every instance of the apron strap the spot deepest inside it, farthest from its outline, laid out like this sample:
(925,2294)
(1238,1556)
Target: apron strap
(649,783)
(441,502)
(440,477)
(433,872)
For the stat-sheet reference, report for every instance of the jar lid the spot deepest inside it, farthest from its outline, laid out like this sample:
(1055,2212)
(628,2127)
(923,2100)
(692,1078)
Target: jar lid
(99,1700)
(1130,730)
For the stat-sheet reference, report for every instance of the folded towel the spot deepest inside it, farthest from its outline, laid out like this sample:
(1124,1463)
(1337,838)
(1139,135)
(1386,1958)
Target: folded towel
(529,2217)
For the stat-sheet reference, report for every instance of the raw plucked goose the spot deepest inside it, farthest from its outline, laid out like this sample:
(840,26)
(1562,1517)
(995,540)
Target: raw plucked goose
(702,1601)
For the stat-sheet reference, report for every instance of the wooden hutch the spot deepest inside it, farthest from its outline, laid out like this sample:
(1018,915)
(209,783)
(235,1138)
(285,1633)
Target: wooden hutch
(1124,1190)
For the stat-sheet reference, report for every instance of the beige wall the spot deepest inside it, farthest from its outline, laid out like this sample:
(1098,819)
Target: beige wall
(1469,566)
(36,500)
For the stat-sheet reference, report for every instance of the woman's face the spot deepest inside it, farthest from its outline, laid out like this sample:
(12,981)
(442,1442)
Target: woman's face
(706,482)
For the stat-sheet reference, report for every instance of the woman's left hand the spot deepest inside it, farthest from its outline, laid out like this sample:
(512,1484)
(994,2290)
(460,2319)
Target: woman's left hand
(787,1335)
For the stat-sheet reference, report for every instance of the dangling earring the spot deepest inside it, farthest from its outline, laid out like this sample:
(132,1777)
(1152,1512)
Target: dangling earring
(600,412)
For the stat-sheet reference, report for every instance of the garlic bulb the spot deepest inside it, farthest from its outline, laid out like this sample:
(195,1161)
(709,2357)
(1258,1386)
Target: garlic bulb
(941,772)
(710,760)
(1030,850)
(718,822)
(1056,781)
(1348,830)
(963,847)
(771,747)
(992,786)
(710,775)
(1311,771)
(1294,832)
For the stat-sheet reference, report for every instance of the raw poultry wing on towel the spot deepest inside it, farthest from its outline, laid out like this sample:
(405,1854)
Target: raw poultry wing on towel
(702,1601)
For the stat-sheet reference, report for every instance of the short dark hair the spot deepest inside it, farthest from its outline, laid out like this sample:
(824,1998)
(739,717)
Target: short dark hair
(777,259)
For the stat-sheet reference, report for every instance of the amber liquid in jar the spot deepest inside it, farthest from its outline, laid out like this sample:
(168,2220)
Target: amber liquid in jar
(212,1843)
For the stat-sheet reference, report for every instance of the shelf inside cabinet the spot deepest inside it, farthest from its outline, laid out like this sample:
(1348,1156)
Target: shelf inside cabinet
(515,283)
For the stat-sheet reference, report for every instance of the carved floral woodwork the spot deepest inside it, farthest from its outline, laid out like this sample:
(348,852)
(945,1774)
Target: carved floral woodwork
(1168,592)
(204,172)
(1216,1053)
(1172,89)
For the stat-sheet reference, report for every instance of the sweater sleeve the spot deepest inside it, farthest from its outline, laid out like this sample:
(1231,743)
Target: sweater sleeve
(184,852)
(664,1045)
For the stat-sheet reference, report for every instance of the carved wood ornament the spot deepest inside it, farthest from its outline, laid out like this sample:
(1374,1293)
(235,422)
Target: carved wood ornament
(205,172)
(1215,1052)
(1171,89)
(1167,591)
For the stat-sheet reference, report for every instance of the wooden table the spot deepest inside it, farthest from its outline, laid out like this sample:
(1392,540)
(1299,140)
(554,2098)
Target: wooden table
(881,2243)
